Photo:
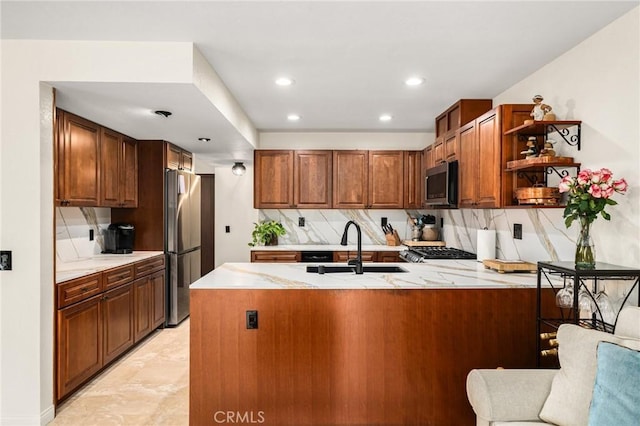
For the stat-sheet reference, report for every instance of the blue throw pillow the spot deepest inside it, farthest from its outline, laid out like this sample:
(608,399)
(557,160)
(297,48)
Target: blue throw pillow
(616,393)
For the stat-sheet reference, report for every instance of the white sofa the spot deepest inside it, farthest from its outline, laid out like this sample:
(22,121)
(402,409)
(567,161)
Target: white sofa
(542,396)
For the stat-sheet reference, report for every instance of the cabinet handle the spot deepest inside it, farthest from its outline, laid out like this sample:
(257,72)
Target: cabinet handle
(84,289)
(105,297)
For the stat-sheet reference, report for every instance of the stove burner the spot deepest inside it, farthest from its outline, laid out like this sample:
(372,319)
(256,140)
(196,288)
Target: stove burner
(420,254)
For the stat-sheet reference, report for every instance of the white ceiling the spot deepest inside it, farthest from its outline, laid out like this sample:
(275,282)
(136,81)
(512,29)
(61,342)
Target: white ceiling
(349,59)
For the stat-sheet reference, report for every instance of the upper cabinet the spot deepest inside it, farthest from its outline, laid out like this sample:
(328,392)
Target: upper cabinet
(312,179)
(94,166)
(178,158)
(386,179)
(273,179)
(77,161)
(484,148)
(460,113)
(118,170)
(413,182)
(350,179)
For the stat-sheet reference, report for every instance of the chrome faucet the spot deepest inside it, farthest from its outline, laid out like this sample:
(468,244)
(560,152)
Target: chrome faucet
(358,260)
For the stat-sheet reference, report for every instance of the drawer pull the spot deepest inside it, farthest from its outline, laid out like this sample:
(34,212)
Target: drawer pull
(85,289)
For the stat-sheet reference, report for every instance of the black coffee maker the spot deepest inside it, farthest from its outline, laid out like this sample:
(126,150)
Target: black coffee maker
(119,238)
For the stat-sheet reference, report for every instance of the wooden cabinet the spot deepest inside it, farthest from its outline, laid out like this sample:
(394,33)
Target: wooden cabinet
(413,182)
(344,256)
(77,162)
(386,180)
(388,256)
(484,148)
(117,321)
(451,146)
(100,316)
(94,166)
(427,159)
(460,113)
(118,170)
(438,151)
(79,344)
(178,158)
(273,179)
(275,256)
(350,179)
(312,179)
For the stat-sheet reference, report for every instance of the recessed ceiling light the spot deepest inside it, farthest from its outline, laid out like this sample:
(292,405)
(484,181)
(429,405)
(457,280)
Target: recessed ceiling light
(204,139)
(293,117)
(385,117)
(284,81)
(163,113)
(414,81)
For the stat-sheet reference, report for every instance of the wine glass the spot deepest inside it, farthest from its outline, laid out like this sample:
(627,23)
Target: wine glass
(586,305)
(607,313)
(564,297)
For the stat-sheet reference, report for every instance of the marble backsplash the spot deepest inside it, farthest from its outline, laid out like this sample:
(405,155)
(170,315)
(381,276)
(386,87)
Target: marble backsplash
(544,235)
(72,232)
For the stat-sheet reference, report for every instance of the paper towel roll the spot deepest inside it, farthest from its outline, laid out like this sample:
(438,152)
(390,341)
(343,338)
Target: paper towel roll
(486,244)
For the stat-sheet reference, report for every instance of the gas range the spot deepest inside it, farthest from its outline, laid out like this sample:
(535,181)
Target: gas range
(420,254)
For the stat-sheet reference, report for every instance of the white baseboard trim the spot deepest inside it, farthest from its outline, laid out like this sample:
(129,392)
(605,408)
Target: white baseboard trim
(46,417)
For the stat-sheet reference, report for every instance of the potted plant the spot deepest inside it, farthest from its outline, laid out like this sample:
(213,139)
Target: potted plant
(266,232)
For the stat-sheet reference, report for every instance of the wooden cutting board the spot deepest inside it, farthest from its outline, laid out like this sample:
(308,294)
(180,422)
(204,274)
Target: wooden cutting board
(503,266)
(411,243)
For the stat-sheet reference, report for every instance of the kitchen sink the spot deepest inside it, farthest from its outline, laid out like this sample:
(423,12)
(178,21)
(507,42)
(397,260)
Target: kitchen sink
(326,269)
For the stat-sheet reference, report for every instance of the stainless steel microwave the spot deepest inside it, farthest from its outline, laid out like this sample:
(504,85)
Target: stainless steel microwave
(441,185)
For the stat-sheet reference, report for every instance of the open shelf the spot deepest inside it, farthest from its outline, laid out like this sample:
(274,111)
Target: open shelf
(538,128)
(541,163)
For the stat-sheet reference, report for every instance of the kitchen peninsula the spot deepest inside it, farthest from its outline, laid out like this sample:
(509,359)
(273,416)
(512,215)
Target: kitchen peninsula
(347,349)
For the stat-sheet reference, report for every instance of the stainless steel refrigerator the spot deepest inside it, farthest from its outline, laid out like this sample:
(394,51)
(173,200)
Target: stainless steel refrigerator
(182,241)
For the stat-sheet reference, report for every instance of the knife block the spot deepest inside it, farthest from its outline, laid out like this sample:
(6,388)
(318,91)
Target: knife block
(393,239)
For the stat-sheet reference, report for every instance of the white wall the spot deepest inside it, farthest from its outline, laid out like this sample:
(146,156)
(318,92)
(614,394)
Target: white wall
(26,196)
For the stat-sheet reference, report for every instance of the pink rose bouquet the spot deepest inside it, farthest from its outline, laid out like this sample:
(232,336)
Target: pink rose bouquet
(589,193)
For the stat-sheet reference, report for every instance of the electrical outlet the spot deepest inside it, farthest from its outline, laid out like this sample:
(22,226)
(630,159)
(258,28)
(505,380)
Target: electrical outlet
(252,320)
(227,229)
(90,234)
(383,221)
(5,260)
(517,231)
(441,222)
(301,222)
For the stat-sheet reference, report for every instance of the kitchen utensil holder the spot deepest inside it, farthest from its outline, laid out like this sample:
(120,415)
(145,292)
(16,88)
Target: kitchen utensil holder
(393,239)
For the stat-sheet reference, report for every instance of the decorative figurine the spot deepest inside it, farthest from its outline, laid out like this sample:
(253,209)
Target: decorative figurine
(532,151)
(547,150)
(541,111)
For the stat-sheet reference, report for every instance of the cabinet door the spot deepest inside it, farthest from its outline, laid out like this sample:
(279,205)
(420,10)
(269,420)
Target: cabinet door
(273,179)
(129,173)
(413,180)
(173,156)
(110,164)
(428,157)
(79,352)
(438,151)
(489,139)
(142,298)
(186,161)
(451,146)
(388,256)
(117,320)
(312,179)
(386,179)
(158,291)
(273,256)
(468,166)
(350,179)
(80,171)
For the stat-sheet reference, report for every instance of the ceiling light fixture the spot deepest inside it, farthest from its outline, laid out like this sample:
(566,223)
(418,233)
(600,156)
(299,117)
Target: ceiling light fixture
(284,81)
(204,139)
(293,117)
(163,113)
(414,81)
(385,117)
(238,168)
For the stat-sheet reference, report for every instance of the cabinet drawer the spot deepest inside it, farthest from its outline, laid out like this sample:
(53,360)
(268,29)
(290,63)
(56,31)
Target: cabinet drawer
(145,267)
(73,291)
(275,256)
(117,276)
(343,256)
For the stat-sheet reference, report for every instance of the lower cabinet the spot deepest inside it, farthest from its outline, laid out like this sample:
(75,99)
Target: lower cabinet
(94,330)
(389,256)
(275,256)
(343,256)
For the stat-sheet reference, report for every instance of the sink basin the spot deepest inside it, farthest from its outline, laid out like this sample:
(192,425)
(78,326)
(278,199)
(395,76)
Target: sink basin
(327,269)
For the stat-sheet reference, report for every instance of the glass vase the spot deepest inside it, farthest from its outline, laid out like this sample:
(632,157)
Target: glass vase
(585,250)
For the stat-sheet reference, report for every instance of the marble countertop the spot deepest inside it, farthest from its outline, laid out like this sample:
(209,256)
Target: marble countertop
(329,247)
(101,262)
(434,274)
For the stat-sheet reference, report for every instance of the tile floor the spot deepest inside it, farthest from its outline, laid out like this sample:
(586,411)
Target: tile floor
(148,386)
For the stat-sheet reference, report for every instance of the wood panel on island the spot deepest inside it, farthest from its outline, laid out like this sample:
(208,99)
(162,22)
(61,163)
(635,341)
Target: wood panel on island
(101,316)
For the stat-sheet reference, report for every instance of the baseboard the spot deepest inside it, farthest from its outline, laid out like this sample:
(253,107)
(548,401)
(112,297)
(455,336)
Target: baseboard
(46,417)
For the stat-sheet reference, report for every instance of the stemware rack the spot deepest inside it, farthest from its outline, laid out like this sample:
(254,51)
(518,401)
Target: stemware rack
(557,274)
